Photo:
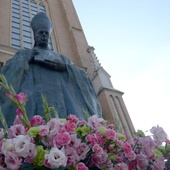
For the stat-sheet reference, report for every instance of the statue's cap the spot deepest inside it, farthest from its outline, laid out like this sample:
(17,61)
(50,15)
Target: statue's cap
(39,21)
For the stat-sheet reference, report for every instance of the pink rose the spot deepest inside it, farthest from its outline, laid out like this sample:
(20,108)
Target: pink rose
(63,138)
(100,139)
(21,98)
(119,159)
(130,155)
(36,120)
(70,127)
(132,165)
(127,147)
(110,134)
(159,134)
(91,138)
(96,138)
(102,161)
(82,150)
(72,157)
(72,118)
(81,166)
(97,149)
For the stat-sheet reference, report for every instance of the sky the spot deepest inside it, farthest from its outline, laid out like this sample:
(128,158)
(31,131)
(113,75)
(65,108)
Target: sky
(132,42)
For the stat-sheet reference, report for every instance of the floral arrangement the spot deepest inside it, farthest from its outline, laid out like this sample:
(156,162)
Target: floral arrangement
(74,144)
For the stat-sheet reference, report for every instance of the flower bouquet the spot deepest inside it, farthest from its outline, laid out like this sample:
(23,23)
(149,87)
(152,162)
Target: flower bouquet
(74,144)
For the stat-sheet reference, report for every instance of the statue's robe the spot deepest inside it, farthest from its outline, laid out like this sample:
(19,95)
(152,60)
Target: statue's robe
(69,91)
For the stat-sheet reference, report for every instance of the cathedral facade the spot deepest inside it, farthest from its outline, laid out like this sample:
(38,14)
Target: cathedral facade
(67,38)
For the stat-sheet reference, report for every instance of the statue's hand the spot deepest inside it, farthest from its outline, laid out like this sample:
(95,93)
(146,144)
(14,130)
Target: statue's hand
(34,53)
(60,66)
(57,65)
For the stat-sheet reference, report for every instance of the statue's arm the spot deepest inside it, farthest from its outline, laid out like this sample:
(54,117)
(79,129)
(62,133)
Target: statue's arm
(57,65)
(16,63)
(15,68)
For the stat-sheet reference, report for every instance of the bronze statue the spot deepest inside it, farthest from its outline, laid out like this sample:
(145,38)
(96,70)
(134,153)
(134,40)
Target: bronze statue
(41,71)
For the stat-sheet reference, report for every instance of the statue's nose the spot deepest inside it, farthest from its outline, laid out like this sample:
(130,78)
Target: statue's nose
(44,34)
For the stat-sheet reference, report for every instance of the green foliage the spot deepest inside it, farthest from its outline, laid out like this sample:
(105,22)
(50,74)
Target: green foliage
(83,130)
(33,131)
(39,159)
(140,133)
(3,121)
(46,108)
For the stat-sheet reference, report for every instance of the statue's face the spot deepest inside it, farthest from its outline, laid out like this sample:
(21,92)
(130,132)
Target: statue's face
(42,37)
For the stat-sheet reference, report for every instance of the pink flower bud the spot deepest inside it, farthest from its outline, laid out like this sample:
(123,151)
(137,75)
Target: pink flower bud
(9,95)
(36,120)
(19,112)
(21,98)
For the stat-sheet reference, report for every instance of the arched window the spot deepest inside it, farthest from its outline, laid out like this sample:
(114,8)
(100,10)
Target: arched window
(22,13)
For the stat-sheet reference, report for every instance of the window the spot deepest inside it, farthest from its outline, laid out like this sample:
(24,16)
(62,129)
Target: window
(22,13)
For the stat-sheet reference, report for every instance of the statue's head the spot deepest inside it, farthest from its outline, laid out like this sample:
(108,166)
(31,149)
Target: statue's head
(42,28)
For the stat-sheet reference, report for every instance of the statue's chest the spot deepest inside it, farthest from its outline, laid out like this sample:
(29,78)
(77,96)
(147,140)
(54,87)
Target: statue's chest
(46,55)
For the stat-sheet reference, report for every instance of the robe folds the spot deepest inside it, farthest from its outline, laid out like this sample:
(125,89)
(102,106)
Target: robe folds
(69,91)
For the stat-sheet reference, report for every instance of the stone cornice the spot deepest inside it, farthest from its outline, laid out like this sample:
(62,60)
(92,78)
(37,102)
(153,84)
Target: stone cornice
(108,89)
(39,1)
(7,50)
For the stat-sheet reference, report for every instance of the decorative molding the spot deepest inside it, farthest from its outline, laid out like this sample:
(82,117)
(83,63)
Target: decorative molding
(7,50)
(39,1)
(95,62)
(112,91)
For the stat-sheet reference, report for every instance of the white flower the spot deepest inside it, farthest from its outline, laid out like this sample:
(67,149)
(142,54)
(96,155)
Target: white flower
(56,158)
(159,134)
(1,134)
(22,145)
(7,145)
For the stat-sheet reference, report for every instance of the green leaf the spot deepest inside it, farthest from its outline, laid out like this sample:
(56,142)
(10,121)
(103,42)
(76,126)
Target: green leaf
(3,121)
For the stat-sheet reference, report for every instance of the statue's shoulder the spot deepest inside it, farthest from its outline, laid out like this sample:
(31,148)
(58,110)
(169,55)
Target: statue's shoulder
(23,51)
(64,58)
(22,54)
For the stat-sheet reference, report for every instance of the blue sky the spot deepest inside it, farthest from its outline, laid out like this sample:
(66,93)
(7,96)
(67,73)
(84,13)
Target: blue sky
(132,42)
